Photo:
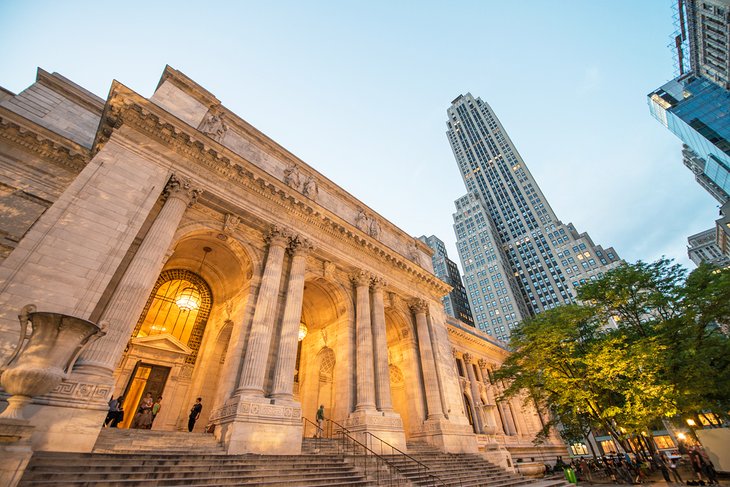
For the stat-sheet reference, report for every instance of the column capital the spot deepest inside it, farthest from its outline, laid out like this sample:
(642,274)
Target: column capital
(482,363)
(467,358)
(361,278)
(299,245)
(277,236)
(454,352)
(182,188)
(418,305)
(378,283)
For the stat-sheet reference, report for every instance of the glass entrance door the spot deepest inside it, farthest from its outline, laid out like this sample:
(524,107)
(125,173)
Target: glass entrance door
(145,378)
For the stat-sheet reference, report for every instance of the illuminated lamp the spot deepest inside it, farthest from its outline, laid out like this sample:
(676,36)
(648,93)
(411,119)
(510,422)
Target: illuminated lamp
(189,298)
(302,331)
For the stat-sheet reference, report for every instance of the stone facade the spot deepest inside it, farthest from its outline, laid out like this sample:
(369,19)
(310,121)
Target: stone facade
(305,295)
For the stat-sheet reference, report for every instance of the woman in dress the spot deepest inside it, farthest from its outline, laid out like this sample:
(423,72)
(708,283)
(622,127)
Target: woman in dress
(143,418)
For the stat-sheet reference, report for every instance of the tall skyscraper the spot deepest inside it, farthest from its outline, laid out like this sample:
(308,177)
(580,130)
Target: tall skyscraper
(698,112)
(518,258)
(456,303)
(695,106)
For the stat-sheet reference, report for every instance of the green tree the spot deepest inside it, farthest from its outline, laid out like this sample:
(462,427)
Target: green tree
(647,342)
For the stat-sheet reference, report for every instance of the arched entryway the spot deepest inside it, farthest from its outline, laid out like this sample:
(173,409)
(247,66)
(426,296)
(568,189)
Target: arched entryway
(178,346)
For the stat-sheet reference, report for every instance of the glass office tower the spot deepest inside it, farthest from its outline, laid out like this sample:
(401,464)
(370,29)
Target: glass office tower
(518,258)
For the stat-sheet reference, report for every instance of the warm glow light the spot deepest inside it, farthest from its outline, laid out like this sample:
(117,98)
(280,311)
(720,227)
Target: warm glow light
(188,299)
(302,331)
(691,422)
(681,436)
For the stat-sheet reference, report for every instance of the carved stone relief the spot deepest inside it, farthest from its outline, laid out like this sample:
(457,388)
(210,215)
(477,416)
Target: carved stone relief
(213,126)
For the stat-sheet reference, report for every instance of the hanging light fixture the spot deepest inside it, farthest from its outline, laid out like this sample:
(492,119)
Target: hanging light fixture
(302,331)
(189,298)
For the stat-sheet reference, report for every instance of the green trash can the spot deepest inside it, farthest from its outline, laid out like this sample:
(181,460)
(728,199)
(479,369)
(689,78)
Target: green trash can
(570,475)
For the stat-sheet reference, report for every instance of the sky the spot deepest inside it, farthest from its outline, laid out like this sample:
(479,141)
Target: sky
(359,91)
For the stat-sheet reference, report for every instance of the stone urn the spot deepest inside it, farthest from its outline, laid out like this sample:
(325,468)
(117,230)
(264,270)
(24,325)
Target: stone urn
(44,355)
(531,469)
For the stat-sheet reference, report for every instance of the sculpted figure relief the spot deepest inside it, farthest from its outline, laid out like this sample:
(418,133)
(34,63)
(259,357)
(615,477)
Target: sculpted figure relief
(292,178)
(214,127)
(367,224)
(310,188)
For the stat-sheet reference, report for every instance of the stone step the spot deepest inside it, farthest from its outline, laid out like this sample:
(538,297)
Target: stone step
(115,470)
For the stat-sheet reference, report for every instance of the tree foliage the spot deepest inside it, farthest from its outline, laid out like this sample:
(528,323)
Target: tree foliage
(646,342)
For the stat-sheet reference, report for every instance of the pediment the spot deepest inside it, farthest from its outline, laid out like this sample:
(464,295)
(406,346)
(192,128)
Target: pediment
(164,342)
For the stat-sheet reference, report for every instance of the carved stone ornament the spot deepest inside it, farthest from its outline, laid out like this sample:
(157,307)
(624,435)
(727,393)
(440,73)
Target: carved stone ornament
(419,306)
(361,278)
(467,358)
(299,245)
(328,269)
(277,236)
(455,352)
(311,189)
(213,126)
(231,222)
(414,254)
(482,363)
(179,187)
(367,223)
(292,177)
(378,283)
(39,364)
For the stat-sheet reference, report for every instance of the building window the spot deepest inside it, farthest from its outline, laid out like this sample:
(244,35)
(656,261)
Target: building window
(578,449)
(664,442)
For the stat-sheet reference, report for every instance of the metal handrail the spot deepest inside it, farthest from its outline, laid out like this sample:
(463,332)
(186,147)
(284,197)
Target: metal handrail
(344,434)
(316,437)
(395,473)
(406,455)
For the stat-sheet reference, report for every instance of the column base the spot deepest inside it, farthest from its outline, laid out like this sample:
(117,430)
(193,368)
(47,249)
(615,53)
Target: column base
(447,436)
(261,425)
(15,450)
(387,426)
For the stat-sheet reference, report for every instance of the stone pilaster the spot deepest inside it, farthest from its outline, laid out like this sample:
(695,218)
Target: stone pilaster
(428,366)
(380,348)
(364,340)
(475,396)
(257,351)
(490,409)
(132,292)
(286,359)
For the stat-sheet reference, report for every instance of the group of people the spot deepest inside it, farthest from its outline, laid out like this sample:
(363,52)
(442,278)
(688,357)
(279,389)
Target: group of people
(146,412)
(632,469)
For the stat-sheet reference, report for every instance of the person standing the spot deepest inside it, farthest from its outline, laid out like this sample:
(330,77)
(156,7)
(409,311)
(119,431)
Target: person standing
(112,412)
(156,408)
(195,413)
(320,420)
(143,418)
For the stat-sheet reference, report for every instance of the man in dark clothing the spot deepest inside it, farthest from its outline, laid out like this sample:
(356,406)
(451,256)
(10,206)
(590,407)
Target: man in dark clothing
(194,413)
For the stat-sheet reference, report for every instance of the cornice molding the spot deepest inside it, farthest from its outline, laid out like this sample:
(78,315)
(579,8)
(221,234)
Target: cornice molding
(70,91)
(124,107)
(43,142)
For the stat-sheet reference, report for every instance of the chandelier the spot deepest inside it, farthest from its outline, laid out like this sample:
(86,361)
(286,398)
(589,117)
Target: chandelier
(302,331)
(189,298)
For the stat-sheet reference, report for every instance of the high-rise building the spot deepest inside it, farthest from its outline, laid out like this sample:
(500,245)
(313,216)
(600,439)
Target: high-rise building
(703,247)
(518,258)
(698,112)
(695,106)
(456,303)
(702,39)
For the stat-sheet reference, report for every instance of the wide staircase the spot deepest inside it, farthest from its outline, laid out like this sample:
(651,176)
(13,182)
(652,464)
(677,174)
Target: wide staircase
(149,458)
(457,469)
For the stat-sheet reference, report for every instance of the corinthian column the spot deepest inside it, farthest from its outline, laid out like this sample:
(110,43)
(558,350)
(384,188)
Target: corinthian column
(428,365)
(286,360)
(257,351)
(475,396)
(489,408)
(132,292)
(380,347)
(364,353)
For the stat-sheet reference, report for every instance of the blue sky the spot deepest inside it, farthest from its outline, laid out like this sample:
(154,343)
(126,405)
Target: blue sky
(359,90)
